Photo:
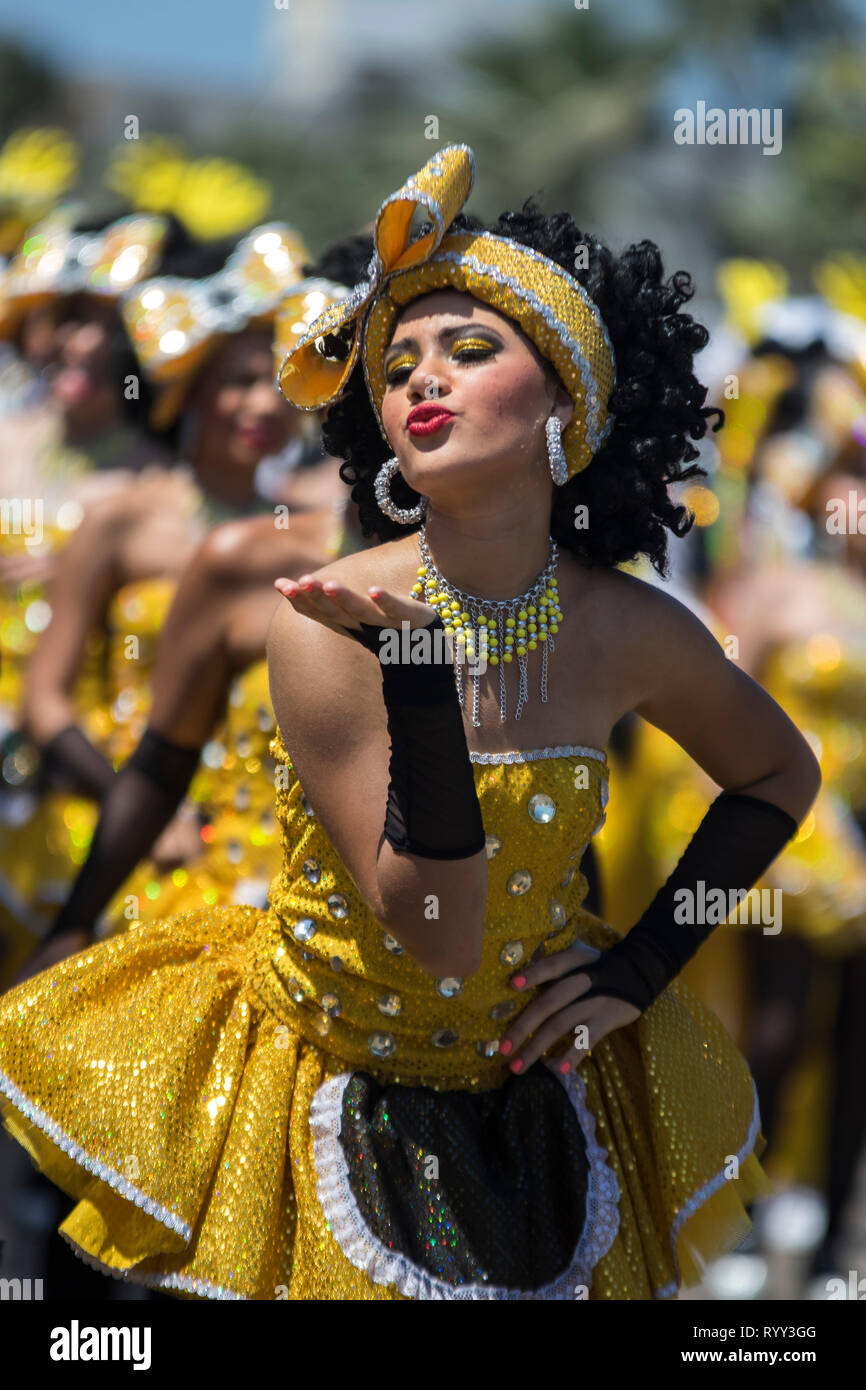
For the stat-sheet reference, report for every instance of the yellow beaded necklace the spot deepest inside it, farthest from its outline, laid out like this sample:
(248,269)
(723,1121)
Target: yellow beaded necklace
(493,631)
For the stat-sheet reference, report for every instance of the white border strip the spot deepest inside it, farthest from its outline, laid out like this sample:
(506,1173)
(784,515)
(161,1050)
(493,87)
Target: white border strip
(100,1170)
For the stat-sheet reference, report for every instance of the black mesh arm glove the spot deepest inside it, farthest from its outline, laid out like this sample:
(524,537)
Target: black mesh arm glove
(144,796)
(432,808)
(735,843)
(71,763)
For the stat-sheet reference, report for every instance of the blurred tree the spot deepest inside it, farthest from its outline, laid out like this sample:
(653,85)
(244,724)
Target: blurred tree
(30,90)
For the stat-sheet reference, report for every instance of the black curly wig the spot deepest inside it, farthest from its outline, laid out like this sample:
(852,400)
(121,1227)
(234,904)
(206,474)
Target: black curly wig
(658,403)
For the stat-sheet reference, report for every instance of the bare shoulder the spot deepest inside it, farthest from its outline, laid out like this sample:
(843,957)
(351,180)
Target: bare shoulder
(138,500)
(639,633)
(239,550)
(637,612)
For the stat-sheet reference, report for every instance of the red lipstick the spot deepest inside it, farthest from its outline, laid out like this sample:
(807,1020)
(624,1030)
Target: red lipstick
(428,418)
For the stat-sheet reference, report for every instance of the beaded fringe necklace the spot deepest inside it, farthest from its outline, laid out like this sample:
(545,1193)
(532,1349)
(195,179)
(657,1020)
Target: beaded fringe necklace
(495,630)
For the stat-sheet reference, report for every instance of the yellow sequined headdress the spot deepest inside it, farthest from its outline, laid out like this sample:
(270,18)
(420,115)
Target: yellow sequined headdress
(57,260)
(175,324)
(551,307)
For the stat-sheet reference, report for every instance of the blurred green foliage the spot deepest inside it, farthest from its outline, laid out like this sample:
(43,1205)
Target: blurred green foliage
(582,106)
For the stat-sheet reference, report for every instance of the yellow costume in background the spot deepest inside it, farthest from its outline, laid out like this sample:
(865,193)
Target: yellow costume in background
(185,1080)
(234,787)
(821,685)
(42,852)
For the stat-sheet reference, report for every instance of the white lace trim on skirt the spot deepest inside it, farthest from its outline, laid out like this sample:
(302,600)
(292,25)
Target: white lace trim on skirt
(367,1253)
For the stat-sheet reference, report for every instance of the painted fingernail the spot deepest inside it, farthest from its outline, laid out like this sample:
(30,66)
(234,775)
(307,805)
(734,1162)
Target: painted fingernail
(516,1065)
(564,1067)
(518,981)
(505,1046)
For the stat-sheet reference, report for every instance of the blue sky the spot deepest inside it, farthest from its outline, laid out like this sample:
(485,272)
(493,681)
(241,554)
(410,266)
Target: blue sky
(234,41)
(229,40)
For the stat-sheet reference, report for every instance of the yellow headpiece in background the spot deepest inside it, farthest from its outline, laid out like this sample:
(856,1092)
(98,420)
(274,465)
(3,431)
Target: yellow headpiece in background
(212,197)
(746,287)
(551,307)
(174,324)
(37,166)
(56,260)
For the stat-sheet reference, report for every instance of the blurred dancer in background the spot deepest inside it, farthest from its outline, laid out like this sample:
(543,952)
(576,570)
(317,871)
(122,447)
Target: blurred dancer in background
(116,576)
(796,600)
(211,667)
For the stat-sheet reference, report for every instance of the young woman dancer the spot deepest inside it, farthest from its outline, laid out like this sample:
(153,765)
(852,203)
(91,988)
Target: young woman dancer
(426,1072)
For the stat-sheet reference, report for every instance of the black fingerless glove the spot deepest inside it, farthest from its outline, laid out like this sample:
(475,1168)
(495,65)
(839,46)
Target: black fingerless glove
(144,796)
(734,845)
(432,808)
(70,763)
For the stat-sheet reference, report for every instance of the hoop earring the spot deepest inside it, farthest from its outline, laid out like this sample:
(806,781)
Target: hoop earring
(555,452)
(405,516)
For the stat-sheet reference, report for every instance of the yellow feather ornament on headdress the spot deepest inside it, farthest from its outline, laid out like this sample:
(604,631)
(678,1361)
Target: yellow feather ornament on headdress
(841,279)
(745,286)
(213,198)
(37,166)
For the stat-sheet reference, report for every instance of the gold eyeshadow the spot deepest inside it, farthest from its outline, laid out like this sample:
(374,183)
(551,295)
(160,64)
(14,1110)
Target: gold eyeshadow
(406,360)
(476,344)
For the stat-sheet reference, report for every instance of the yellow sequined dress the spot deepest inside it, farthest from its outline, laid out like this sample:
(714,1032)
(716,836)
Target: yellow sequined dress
(44,840)
(234,788)
(283,1104)
(820,682)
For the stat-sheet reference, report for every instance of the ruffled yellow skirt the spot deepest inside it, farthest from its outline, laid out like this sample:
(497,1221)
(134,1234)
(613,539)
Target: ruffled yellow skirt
(148,1080)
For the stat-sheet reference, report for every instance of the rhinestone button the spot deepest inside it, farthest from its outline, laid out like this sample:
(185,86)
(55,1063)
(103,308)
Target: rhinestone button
(443,1037)
(488,1049)
(449,986)
(322,1024)
(564,882)
(336,963)
(504,1010)
(338,906)
(493,845)
(306,805)
(331,1004)
(294,988)
(519,882)
(558,914)
(304,930)
(391,944)
(389,1004)
(511,953)
(542,808)
(382,1044)
(311,871)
